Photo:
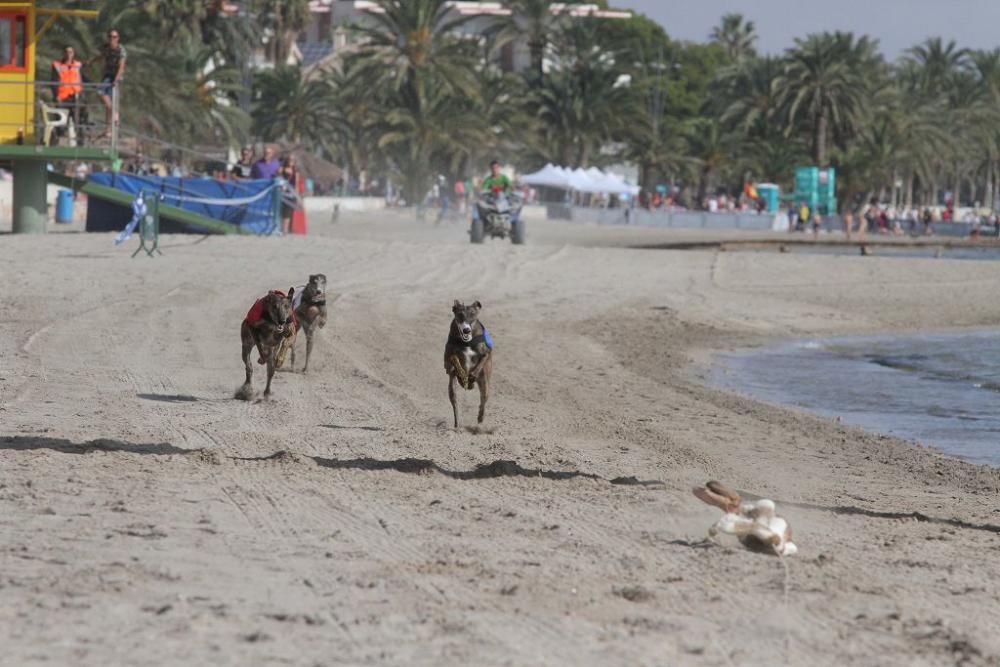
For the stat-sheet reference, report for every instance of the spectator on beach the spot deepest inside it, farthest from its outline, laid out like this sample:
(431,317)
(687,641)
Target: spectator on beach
(870,216)
(68,72)
(267,167)
(848,223)
(817,222)
(800,225)
(243,167)
(882,220)
(289,192)
(113,55)
(926,217)
(460,195)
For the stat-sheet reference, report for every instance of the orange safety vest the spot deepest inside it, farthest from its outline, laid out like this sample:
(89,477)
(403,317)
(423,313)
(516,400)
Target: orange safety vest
(69,79)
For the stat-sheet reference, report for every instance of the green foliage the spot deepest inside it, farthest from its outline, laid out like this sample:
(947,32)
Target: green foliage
(415,98)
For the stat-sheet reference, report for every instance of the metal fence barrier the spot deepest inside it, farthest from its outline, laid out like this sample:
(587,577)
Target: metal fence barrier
(31,113)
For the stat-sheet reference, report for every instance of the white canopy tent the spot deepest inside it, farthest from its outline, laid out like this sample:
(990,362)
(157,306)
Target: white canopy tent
(590,181)
(548,176)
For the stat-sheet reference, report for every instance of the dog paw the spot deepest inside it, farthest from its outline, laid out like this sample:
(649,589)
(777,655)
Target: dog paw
(261,361)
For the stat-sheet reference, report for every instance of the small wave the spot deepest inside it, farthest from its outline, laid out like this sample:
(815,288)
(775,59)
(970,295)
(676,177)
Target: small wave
(910,362)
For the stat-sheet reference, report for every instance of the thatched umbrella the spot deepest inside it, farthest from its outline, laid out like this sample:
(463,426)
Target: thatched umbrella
(323,173)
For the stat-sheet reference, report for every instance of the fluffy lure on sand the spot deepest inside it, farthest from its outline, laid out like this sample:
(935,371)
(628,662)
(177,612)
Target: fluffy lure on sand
(756,524)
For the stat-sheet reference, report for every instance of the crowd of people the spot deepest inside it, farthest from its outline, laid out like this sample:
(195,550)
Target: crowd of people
(270,167)
(877,218)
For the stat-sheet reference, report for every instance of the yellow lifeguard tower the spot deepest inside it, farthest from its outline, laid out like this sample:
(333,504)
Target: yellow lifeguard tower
(23,112)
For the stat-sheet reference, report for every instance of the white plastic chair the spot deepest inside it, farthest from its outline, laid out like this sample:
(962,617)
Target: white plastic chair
(53,117)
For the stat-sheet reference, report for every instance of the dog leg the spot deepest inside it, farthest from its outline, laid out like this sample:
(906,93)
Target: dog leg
(309,347)
(452,379)
(293,358)
(270,372)
(246,391)
(484,395)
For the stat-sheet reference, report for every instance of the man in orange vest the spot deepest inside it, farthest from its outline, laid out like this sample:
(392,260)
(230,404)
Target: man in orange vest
(69,89)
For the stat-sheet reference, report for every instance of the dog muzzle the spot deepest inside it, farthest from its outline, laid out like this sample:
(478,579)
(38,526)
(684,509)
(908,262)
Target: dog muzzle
(466,336)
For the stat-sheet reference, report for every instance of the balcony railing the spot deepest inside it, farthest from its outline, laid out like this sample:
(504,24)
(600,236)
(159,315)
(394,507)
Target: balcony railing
(32,115)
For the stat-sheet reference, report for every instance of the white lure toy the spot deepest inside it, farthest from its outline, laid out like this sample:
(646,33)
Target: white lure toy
(756,524)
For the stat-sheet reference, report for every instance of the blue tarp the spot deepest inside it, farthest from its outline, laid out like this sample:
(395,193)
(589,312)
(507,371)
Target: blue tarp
(256,217)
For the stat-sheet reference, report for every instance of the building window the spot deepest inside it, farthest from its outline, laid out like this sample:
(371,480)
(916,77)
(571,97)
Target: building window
(13,42)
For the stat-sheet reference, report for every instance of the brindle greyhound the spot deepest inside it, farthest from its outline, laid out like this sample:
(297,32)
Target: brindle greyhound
(269,322)
(310,311)
(468,355)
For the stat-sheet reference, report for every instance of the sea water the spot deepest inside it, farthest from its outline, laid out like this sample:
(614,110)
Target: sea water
(941,390)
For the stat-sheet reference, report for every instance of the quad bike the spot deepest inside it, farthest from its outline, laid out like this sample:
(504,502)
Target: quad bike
(498,216)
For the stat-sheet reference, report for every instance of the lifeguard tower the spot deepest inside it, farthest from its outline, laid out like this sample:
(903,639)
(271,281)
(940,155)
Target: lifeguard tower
(30,120)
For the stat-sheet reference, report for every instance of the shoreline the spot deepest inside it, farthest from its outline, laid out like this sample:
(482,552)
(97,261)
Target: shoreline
(714,369)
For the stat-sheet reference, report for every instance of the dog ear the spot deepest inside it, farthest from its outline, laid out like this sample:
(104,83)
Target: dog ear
(312,277)
(478,305)
(456,306)
(291,292)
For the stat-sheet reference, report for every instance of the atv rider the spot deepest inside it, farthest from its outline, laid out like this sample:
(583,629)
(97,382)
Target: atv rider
(496,182)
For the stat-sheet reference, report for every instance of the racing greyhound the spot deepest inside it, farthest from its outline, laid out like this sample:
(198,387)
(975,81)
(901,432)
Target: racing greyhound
(310,311)
(468,355)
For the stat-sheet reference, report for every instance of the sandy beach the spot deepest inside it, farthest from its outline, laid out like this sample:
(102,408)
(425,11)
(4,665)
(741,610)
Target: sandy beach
(148,518)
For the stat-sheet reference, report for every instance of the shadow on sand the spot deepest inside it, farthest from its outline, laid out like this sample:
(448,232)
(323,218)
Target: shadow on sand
(30,442)
(416,466)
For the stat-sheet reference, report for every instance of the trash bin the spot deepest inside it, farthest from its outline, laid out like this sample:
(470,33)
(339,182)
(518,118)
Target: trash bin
(64,206)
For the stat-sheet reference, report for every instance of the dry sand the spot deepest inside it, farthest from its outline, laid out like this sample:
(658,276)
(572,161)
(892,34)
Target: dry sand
(148,518)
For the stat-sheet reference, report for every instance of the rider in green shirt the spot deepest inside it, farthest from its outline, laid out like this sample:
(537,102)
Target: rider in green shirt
(496,179)
(500,182)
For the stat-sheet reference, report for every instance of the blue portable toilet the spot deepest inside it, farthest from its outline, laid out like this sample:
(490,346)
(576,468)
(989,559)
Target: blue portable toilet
(64,206)
(771,194)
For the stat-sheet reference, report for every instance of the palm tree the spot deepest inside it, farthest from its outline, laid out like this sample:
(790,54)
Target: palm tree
(712,148)
(426,131)
(285,20)
(937,63)
(746,99)
(410,39)
(823,86)
(354,116)
(291,106)
(412,53)
(504,116)
(538,21)
(586,101)
(736,37)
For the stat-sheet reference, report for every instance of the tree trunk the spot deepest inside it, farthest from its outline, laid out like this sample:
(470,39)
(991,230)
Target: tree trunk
(537,50)
(909,190)
(988,190)
(820,140)
(995,192)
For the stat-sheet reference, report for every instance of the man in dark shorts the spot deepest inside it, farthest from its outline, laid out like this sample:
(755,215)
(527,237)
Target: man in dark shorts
(113,55)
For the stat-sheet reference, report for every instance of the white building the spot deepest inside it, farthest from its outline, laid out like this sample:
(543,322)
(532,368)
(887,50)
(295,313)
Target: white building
(329,30)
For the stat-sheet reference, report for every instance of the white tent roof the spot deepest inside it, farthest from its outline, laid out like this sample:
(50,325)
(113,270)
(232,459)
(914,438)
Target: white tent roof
(549,175)
(592,180)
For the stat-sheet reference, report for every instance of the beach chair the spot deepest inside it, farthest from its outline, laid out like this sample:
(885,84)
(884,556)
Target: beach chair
(54,117)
